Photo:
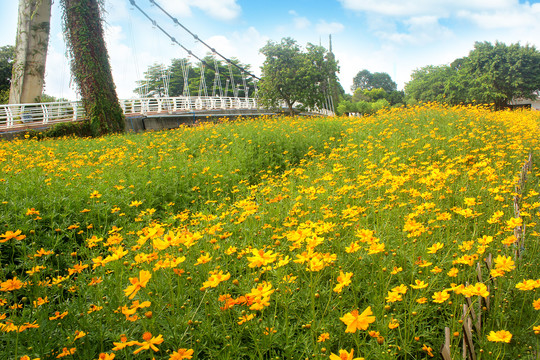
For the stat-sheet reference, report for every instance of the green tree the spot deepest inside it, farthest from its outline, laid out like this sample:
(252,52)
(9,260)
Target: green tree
(153,83)
(294,76)
(7,54)
(90,65)
(365,80)
(500,72)
(430,83)
(491,74)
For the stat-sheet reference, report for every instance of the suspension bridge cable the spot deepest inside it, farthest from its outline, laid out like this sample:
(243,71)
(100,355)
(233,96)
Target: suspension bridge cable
(175,20)
(165,32)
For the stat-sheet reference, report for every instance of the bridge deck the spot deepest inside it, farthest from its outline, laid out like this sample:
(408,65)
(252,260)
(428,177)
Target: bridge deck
(21,117)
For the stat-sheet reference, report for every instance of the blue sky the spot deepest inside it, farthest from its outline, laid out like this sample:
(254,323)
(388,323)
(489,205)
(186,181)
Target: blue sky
(392,36)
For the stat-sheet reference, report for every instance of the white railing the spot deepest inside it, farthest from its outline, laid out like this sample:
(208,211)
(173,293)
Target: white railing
(23,116)
(26,115)
(184,103)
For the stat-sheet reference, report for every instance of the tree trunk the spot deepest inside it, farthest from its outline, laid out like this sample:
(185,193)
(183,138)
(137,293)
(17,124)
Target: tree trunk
(30,51)
(90,65)
(291,110)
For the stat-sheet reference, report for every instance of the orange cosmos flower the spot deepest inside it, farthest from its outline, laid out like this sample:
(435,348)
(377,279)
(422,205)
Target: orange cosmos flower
(182,354)
(323,337)
(79,334)
(11,284)
(355,321)
(105,356)
(149,343)
(137,283)
(344,355)
(500,336)
(66,352)
(77,268)
(8,235)
(32,211)
(428,349)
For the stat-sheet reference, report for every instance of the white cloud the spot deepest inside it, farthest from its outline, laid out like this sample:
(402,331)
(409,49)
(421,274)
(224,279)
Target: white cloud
(122,60)
(247,45)
(301,22)
(243,45)
(116,11)
(441,8)
(416,30)
(218,9)
(329,28)
(523,16)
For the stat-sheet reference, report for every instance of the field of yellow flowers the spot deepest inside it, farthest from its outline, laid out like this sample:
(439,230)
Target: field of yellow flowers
(275,238)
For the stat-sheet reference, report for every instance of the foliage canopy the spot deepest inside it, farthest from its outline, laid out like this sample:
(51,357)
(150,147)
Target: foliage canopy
(294,76)
(365,80)
(7,54)
(489,74)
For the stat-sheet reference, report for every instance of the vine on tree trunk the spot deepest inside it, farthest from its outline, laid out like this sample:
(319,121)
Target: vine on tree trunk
(90,65)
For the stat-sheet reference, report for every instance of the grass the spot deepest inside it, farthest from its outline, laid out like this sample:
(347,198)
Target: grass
(264,239)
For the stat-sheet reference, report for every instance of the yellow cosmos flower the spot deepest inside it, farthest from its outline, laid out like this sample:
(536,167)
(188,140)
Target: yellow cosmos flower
(344,355)
(355,321)
(512,223)
(137,283)
(344,279)
(419,284)
(435,247)
(500,336)
(453,272)
(504,263)
(261,258)
(440,296)
(393,297)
